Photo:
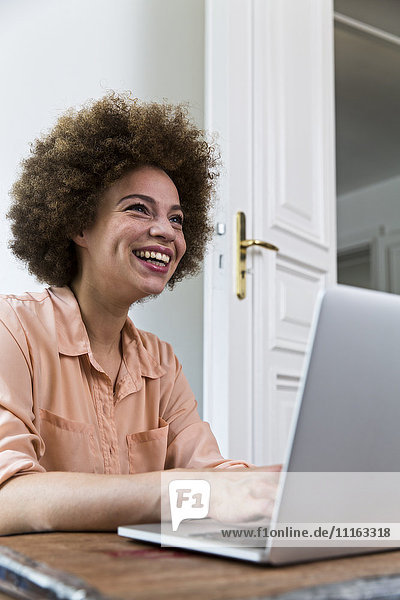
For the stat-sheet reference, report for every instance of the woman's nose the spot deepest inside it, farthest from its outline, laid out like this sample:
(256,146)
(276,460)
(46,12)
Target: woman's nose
(163,228)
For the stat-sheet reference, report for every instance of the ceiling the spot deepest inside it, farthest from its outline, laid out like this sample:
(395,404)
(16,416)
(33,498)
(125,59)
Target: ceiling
(367,95)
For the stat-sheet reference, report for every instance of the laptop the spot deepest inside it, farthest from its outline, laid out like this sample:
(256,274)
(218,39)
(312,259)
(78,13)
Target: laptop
(343,457)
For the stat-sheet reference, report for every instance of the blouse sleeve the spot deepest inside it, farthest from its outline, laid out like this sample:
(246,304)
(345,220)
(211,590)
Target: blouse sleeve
(20,444)
(191,443)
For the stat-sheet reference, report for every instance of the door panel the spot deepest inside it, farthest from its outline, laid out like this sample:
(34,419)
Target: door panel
(297,287)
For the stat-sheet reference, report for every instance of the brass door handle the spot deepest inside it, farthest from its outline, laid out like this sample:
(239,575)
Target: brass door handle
(241,246)
(247,243)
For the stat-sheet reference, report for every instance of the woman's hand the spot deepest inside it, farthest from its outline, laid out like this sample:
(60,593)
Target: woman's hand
(267,468)
(243,496)
(236,495)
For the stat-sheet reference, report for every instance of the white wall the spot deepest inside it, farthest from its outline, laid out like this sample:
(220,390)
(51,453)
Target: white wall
(367,209)
(56,54)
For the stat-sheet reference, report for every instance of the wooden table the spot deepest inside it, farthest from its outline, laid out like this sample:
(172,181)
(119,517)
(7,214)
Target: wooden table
(120,568)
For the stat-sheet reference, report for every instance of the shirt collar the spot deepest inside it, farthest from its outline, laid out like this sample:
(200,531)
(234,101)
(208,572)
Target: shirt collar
(73,339)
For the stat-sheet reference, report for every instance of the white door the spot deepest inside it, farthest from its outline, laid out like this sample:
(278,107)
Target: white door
(269,94)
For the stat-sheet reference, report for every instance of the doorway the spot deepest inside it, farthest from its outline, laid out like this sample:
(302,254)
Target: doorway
(367,63)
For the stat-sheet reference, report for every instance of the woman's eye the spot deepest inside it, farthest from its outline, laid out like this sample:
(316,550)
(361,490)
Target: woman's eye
(138,208)
(177,219)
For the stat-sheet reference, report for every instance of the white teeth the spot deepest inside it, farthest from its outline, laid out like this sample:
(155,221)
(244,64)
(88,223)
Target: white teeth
(157,256)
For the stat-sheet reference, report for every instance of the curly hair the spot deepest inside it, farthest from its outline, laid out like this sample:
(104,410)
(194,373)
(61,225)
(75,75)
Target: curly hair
(60,187)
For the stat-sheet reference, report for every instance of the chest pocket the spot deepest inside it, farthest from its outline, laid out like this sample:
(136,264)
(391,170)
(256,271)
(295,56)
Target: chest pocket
(70,445)
(147,450)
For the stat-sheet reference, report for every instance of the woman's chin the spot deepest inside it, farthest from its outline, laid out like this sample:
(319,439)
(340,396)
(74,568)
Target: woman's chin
(147,293)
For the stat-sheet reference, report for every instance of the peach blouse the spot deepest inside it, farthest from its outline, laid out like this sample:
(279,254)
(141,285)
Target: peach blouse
(58,411)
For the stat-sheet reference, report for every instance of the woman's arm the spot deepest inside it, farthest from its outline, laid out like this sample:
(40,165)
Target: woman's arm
(58,501)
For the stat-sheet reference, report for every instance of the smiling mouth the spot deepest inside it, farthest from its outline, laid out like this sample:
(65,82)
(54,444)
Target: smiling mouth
(155,258)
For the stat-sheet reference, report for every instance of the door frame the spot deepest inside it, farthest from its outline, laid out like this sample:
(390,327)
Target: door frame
(224,384)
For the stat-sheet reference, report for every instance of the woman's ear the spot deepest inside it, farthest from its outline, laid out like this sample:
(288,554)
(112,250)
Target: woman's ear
(80,239)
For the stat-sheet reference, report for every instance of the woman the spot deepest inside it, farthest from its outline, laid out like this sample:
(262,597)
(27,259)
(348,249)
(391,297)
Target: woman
(110,208)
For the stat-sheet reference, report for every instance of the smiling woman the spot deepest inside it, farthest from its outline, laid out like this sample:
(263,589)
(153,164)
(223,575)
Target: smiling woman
(111,207)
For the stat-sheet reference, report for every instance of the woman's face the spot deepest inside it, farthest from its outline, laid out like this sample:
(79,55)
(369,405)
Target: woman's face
(137,241)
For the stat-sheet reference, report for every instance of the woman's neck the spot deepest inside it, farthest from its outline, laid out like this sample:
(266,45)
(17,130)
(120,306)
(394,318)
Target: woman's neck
(103,319)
